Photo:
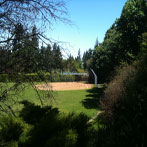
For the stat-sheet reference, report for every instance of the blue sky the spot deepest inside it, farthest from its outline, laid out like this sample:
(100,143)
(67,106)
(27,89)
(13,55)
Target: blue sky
(91,19)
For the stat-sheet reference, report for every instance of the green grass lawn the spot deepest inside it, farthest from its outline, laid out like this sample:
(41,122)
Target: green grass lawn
(76,101)
(73,101)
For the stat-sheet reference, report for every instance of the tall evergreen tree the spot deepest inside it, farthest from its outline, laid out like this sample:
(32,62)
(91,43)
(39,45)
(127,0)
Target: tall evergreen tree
(34,37)
(87,58)
(72,65)
(5,57)
(96,43)
(79,60)
(46,58)
(57,56)
(25,52)
(18,34)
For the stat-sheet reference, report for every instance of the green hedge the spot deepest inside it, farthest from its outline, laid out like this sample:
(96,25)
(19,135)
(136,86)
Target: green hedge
(39,77)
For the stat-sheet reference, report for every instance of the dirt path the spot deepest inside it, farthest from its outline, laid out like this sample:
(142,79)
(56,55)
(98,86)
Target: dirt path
(94,117)
(61,86)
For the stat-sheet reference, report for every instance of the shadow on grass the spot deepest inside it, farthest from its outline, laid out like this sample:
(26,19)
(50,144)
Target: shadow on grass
(92,100)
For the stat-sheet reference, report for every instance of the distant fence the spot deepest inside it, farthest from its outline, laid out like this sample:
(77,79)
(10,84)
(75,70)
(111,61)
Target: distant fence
(38,77)
(71,73)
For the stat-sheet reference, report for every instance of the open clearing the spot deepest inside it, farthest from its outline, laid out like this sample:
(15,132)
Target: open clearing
(61,86)
(67,101)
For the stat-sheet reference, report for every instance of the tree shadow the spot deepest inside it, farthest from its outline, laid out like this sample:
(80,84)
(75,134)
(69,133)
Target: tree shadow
(92,100)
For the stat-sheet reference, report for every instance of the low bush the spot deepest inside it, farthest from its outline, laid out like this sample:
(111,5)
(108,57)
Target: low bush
(44,127)
(125,107)
(51,128)
(39,77)
(11,130)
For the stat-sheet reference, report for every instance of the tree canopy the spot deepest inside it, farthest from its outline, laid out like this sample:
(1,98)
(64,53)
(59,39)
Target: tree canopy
(121,43)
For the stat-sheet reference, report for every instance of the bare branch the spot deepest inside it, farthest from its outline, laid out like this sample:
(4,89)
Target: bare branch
(30,12)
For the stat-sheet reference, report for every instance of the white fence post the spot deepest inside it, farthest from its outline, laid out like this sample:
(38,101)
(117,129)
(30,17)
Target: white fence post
(95,77)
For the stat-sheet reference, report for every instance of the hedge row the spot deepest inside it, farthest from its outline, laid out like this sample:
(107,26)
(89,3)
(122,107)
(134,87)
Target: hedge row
(39,77)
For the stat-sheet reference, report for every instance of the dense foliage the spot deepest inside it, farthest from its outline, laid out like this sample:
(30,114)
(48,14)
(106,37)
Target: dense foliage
(125,105)
(123,55)
(45,127)
(26,56)
(120,44)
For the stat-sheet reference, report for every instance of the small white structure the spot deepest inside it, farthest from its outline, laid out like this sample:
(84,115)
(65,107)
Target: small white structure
(95,77)
(72,73)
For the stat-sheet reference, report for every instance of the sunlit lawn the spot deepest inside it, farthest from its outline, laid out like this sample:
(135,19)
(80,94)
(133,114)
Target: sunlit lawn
(76,101)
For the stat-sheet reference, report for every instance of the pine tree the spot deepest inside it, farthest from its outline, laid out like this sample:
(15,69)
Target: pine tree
(19,35)
(79,60)
(57,56)
(96,43)
(34,37)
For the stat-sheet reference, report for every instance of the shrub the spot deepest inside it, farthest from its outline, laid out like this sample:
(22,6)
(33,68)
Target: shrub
(116,91)
(125,107)
(51,128)
(10,131)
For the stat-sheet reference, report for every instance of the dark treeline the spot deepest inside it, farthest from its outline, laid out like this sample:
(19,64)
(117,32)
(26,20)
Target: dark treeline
(25,55)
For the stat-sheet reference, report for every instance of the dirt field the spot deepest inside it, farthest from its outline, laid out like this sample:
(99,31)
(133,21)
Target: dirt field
(64,86)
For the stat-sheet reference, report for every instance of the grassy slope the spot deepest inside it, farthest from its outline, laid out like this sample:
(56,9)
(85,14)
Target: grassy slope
(67,101)
(72,101)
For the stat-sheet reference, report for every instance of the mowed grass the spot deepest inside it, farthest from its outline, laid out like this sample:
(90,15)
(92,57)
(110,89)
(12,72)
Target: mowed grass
(76,101)
(72,101)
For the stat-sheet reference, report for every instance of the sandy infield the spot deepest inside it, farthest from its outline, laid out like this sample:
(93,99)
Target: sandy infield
(64,86)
